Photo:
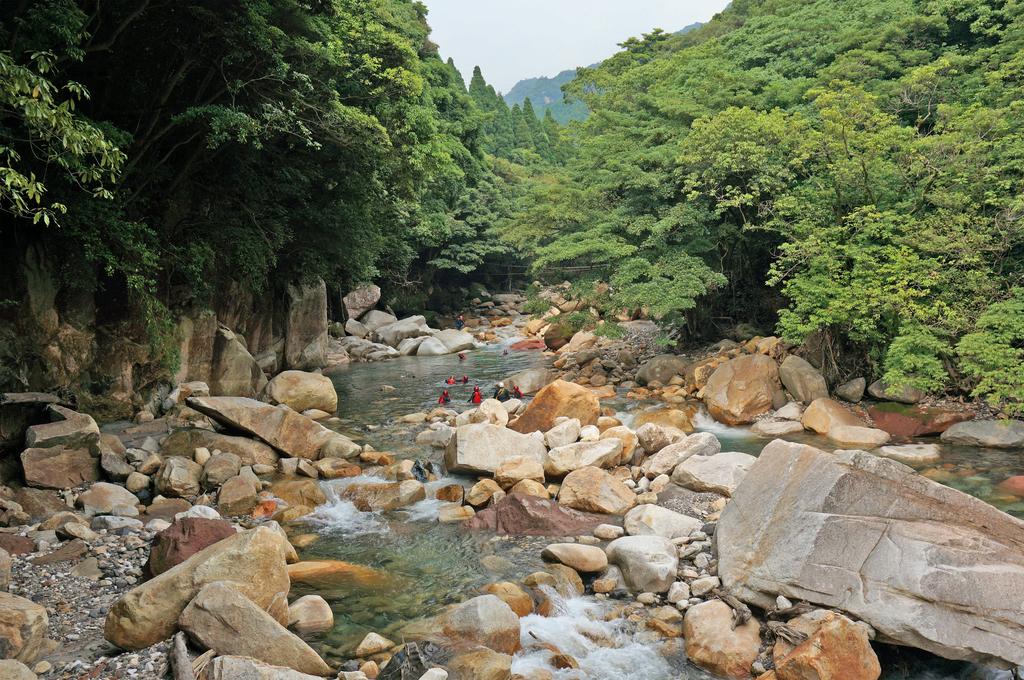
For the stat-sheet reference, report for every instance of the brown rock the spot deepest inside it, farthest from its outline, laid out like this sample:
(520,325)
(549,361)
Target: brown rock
(512,595)
(838,650)
(17,545)
(334,571)
(713,644)
(299,492)
(588,559)
(824,414)
(69,552)
(742,389)
(592,489)
(183,539)
(179,478)
(249,451)
(482,664)
(302,391)
(666,417)
(220,468)
(39,503)
(901,420)
(23,626)
(451,493)
(59,467)
(511,471)
(518,515)
(223,619)
(560,398)
(481,493)
(310,614)
(167,508)
(529,487)
(252,561)
(237,497)
(337,468)
(485,620)
(627,437)
(387,496)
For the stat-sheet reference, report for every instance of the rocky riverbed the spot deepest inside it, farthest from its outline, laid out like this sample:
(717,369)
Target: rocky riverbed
(601,527)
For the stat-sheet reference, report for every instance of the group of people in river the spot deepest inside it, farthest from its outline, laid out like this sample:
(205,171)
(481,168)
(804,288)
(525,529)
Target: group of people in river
(501,393)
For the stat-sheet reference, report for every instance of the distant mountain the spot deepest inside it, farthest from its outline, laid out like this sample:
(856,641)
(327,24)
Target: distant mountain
(546,93)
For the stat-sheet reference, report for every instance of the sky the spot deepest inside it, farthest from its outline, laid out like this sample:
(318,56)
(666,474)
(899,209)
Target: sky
(516,39)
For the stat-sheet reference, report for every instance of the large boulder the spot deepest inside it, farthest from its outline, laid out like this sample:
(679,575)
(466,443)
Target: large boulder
(869,536)
(905,395)
(18,411)
(521,515)
(715,644)
(628,439)
(531,380)
(824,414)
(66,428)
(251,561)
(674,418)
(838,649)
(101,499)
(223,619)
(720,473)
(182,540)
(560,398)
(804,382)
(604,453)
(280,427)
(23,626)
(238,496)
(15,670)
(648,563)
(742,389)
(479,448)
(234,372)
(249,451)
(591,489)
(246,668)
(665,461)
(179,478)
(654,520)
(310,614)
(856,437)
(485,620)
(375,497)
(305,326)
(904,420)
(375,319)
(661,368)
(60,467)
(393,333)
(994,434)
(220,467)
(361,300)
(454,340)
(302,391)
(429,347)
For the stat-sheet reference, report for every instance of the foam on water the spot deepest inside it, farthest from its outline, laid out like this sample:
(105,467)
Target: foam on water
(604,649)
(340,516)
(703,422)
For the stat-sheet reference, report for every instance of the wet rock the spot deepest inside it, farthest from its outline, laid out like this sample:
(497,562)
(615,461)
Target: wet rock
(337,468)
(824,414)
(587,559)
(906,394)
(560,398)
(902,420)
(512,595)
(648,563)
(182,540)
(564,459)
(776,428)
(878,541)
(665,417)
(593,490)
(310,614)
(59,467)
(803,381)
(388,496)
(23,625)
(911,454)
(251,561)
(482,664)
(485,620)
(481,448)
(304,493)
(519,515)
(179,478)
(742,389)
(654,520)
(223,619)
(996,434)
(713,644)
(301,391)
(854,436)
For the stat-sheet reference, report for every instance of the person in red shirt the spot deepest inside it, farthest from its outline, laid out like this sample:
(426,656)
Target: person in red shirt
(465,379)
(450,380)
(477,397)
(445,398)
(516,392)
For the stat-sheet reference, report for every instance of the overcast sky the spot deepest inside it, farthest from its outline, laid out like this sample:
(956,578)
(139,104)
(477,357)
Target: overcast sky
(515,39)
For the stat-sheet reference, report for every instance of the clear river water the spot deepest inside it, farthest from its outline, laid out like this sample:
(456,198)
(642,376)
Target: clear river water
(426,565)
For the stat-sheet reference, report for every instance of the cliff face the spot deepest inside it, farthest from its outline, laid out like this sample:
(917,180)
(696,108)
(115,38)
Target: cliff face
(75,338)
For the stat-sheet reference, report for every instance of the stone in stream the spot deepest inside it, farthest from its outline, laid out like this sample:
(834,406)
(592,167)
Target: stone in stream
(481,664)
(903,420)
(485,620)
(661,368)
(586,559)
(431,347)
(280,427)
(824,414)
(481,448)
(387,496)
(512,595)
(911,454)
(531,380)
(803,381)
(665,461)
(301,391)
(521,515)
(716,645)
(648,563)
(776,428)
(604,453)
(558,399)
(666,417)
(871,537)
(455,340)
(252,561)
(996,434)
(654,438)
(591,489)
(854,436)
(742,389)
(223,619)
(393,333)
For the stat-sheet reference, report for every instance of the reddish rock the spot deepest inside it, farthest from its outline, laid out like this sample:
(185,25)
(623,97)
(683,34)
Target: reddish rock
(264,509)
(518,515)
(1014,485)
(903,420)
(533,343)
(560,398)
(167,508)
(182,540)
(40,504)
(66,553)
(16,545)
(557,336)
